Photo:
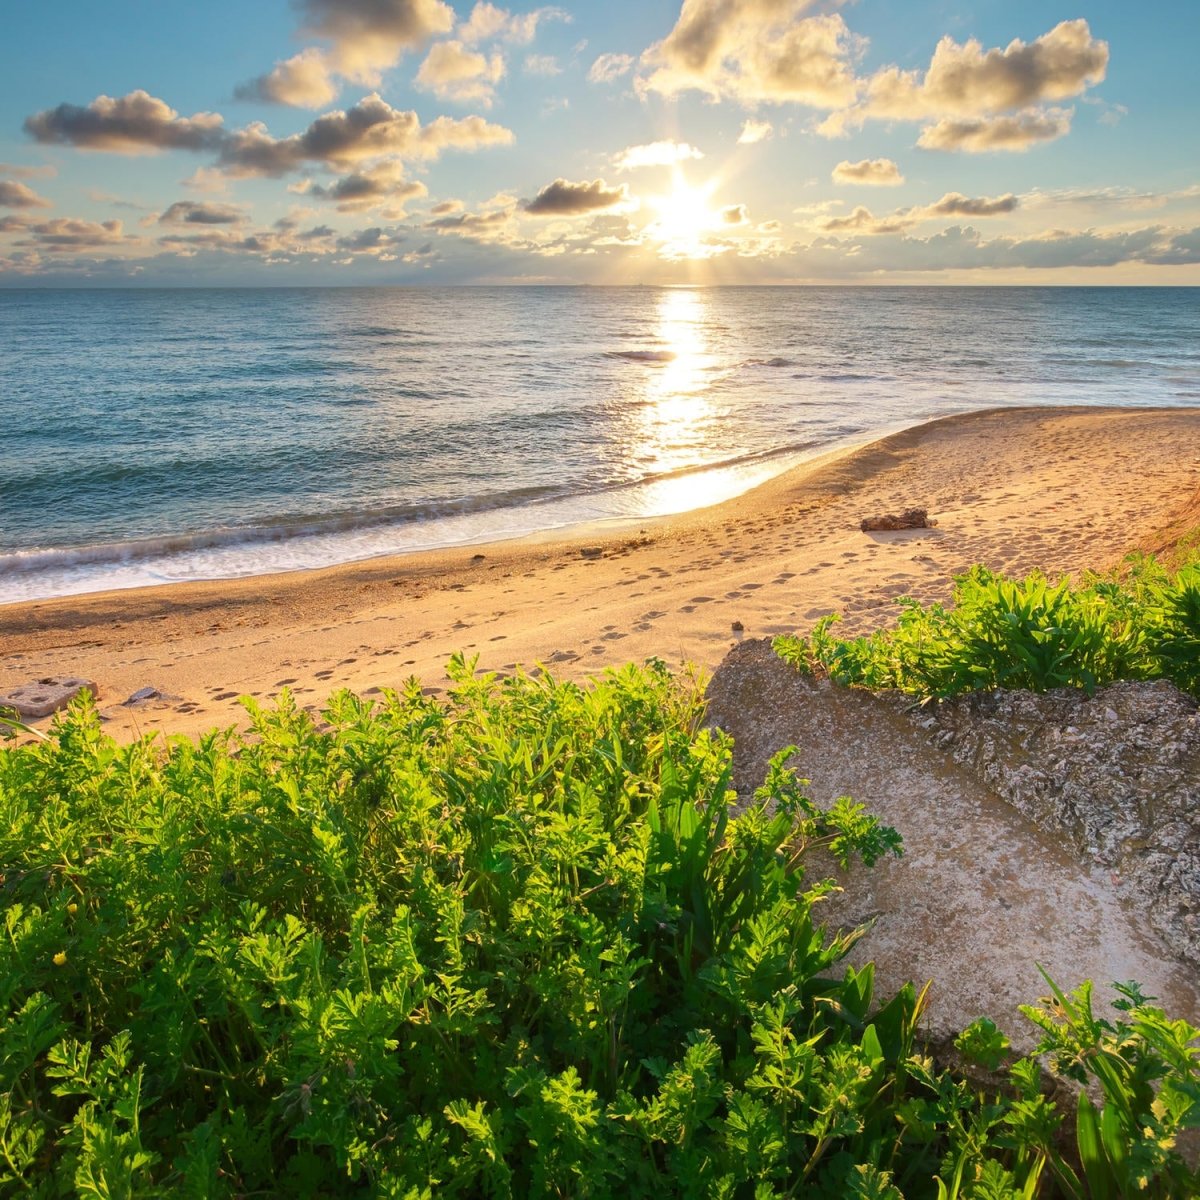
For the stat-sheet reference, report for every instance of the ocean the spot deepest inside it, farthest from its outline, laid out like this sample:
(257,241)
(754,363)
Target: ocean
(153,436)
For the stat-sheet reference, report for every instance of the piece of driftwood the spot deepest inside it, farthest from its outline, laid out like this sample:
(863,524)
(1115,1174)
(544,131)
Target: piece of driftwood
(910,518)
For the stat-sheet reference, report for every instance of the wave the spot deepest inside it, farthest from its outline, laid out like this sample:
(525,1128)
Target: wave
(108,554)
(776,361)
(643,356)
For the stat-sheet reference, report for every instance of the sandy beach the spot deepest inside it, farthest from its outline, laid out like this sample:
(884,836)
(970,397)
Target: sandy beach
(1060,489)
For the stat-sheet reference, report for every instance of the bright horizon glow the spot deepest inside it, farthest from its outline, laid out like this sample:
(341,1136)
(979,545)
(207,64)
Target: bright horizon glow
(395,142)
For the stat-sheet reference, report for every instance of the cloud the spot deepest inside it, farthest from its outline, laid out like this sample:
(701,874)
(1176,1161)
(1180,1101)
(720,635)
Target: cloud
(16,171)
(452,72)
(861,220)
(608,67)
(755,131)
(304,81)
(735,214)
(489,23)
(984,99)
(655,154)
(69,233)
(755,51)
(366,36)
(979,135)
(565,199)
(445,207)
(1182,249)
(477,227)
(363,190)
(542,64)
(872,172)
(952,204)
(134,124)
(371,35)
(191,212)
(14,194)
(955,204)
(371,129)
(967,81)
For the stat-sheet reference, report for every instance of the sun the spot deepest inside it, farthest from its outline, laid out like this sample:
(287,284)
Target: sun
(685,219)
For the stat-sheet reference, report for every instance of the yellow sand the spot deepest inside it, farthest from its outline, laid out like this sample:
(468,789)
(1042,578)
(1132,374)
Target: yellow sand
(1061,489)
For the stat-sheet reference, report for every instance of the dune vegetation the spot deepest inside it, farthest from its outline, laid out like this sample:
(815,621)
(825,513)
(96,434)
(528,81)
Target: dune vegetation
(517,941)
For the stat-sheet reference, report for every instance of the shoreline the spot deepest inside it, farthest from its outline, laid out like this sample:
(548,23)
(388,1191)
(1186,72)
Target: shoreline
(1062,489)
(275,542)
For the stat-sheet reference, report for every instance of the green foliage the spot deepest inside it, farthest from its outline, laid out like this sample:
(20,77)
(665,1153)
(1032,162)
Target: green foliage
(1024,634)
(514,943)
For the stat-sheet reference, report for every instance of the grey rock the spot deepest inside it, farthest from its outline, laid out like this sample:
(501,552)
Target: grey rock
(45,696)
(988,888)
(1116,775)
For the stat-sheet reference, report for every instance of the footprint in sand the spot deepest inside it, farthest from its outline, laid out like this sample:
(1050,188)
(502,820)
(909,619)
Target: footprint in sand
(284,682)
(701,599)
(614,636)
(322,674)
(226,696)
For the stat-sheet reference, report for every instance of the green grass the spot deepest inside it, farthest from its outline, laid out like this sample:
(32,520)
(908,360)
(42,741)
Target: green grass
(511,943)
(1031,633)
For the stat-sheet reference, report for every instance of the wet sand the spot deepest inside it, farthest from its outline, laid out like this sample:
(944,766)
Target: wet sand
(1060,489)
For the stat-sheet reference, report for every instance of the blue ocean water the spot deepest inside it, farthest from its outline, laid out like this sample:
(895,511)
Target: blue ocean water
(151,436)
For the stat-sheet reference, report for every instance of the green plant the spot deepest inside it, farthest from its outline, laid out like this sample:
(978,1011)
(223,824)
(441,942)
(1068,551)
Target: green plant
(1024,634)
(513,943)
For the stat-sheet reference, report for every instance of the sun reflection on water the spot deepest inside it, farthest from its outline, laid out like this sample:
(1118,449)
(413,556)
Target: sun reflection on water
(678,423)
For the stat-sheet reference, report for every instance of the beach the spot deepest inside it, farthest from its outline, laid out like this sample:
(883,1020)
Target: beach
(1062,489)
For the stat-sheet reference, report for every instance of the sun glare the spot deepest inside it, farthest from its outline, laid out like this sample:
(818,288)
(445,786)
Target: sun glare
(685,219)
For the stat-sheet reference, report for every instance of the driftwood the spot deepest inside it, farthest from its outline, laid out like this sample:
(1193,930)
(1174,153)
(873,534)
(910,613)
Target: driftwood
(911,518)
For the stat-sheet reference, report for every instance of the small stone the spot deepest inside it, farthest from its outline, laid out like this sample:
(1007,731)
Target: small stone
(144,693)
(591,552)
(478,557)
(737,627)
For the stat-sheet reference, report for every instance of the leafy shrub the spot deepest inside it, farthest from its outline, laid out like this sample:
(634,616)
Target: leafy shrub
(513,943)
(1024,634)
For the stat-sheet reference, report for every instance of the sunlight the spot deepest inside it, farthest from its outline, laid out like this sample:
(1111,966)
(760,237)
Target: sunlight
(679,423)
(685,219)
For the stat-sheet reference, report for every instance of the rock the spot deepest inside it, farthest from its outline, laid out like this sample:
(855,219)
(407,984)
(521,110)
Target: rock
(983,893)
(591,552)
(737,627)
(45,696)
(144,693)
(1116,775)
(910,518)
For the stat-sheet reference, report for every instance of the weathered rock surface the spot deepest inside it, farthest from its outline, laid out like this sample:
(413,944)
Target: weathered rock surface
(45,696)
(983,893)
(1117,775)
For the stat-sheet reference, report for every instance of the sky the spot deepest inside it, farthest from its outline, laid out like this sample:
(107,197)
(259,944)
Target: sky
(350,142)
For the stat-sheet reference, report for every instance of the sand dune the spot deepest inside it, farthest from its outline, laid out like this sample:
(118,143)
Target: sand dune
(1061,489)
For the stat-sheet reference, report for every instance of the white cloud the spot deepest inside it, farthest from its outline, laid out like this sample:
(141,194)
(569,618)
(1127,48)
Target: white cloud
(545,65)
(977,99)
(872,172)
(452,72)
(608,67)
(756,51)
(304,81)
(490,23)
(655,154)
(754,131)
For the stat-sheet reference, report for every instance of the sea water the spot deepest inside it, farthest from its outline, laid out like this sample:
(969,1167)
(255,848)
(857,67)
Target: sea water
(153,436)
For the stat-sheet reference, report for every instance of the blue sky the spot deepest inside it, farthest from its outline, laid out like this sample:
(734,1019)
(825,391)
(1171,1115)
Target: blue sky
(733,141)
